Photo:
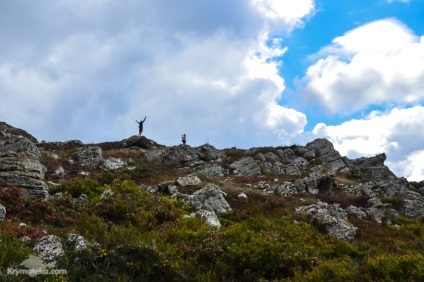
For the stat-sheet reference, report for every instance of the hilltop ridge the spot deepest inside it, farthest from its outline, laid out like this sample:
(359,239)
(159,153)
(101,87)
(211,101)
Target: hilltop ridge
(337,196)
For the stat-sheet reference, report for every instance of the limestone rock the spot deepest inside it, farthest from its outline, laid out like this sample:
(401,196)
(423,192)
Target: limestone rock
(90,157)
(106,194)
(179,156)
(60,172)
(209,216)
(335,227)
(355,211)
(190,180)
(210,197)
(414,208)
(77,241)
(330,219)
(49,248)
(113,163)
(246,167)
(373,168)
(208,153)
(242,196)
(6,128)
(81,199)
(2,213)
(212,170)
(140,141)
(23,172)
(167,188)
(184,155)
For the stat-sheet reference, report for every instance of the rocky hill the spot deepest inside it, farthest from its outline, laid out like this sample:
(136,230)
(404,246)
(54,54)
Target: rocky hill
(136,209)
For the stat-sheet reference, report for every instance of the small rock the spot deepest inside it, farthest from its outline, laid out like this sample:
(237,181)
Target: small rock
(191,180)
(106,194)
(2,213)
(242,196)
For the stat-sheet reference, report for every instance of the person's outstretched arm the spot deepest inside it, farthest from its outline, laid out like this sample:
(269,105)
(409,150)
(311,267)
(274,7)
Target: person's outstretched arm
(137,121)
(144,119)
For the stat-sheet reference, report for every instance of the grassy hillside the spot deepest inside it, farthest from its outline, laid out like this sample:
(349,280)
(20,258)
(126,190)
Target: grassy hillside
(138,236)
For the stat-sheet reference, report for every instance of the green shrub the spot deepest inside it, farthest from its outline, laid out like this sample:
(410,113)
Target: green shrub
(330,270)
(388,267)
(12,251)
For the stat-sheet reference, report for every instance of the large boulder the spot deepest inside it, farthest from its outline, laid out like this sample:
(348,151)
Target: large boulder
(113,163)
(179,156)
(246,167)
(190,180)
(49,248)
(184,155)
(324,151)
(141,142)
(208,153)
(20,166)
(372,168)
(210,197)
(90,157)
(6,128)
(330,219)
(211,170)
(209,216)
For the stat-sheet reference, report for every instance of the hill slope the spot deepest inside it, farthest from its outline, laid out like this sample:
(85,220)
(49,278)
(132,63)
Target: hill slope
(138,210)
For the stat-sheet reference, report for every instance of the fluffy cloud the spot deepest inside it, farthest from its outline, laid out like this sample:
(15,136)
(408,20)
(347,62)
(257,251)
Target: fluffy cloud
(399,133)
(87,70)
(378,63)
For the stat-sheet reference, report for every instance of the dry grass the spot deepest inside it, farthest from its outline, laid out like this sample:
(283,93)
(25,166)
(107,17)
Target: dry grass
(345,181)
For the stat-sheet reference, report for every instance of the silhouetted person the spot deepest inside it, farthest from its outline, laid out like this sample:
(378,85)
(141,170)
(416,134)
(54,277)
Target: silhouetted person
(140,126)
(184,139)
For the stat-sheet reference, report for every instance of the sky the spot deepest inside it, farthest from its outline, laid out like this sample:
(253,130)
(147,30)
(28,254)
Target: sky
(231,73)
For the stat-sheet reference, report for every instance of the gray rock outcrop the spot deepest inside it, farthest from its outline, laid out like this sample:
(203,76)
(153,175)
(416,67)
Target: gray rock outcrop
(140,142)
(113,163)
(20,166)
(77,241)
(211,170)
(210,197)
(246,167)
(373,168)
(190,180)
(331,219)
(49,248)
(2,213)
(209,216)
(90,157)
(209,202)
(185,156)
(6,128)
(323,150)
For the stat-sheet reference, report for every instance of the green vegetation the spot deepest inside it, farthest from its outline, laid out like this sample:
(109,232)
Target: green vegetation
(146,237)
(137,236)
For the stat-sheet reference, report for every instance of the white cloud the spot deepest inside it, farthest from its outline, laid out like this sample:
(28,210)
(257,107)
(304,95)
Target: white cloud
(412,166)
(399,133)
(380,62)
(88,70)
(291,12)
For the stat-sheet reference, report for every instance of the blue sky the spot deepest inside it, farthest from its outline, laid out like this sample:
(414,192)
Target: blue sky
(333,19)
(238,73)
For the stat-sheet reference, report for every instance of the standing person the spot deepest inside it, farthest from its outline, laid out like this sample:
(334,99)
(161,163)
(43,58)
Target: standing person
(140,126)
(184,138)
